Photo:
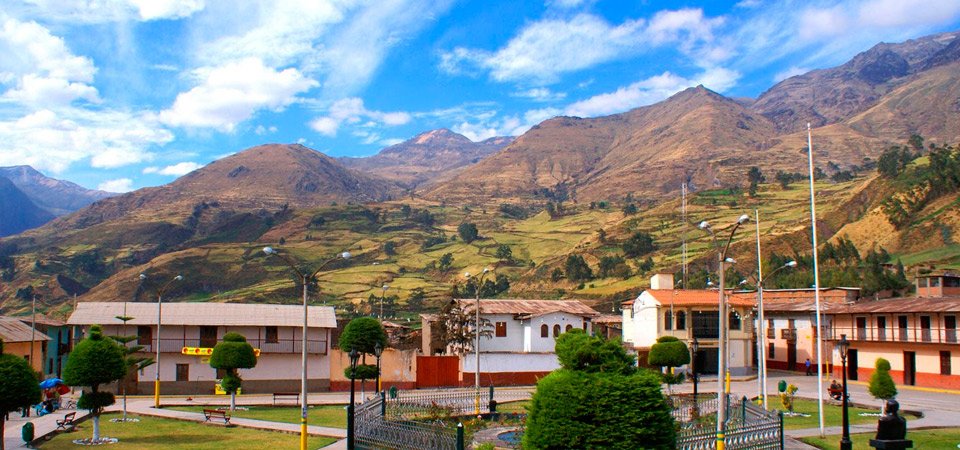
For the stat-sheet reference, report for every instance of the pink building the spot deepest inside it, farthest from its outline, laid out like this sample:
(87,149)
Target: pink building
(273,329)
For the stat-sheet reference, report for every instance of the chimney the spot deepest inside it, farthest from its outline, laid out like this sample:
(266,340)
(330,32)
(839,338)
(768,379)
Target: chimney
(661,281)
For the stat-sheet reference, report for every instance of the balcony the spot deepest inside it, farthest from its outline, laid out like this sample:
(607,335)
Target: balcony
(789,334)
(314,346)
(917,335)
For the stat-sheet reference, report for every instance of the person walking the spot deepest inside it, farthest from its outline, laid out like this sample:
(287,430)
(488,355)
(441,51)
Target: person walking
(808,367)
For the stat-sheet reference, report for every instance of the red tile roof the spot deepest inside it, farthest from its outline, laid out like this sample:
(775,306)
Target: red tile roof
(529,307)
(700,297)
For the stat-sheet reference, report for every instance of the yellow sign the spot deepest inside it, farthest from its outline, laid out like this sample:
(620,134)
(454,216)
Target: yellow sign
(218,390)
(207,351)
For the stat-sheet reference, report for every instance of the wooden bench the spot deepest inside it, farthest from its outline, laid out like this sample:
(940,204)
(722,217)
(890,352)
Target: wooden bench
(216,414)
(295,396)
(66,422)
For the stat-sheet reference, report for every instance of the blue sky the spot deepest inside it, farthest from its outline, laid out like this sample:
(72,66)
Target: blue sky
(124,94)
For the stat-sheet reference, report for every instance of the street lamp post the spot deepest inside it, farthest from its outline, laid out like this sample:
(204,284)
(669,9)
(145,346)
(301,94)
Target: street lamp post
(695,346)
(382,295)
(762,338)
(351,425)
(304,279)
(160,292)
(377,351)
(843,346)
(477,331)
(722,368)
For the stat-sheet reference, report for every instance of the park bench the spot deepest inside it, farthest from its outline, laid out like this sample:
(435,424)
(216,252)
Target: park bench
(295,396)
(216,414)
(66,422)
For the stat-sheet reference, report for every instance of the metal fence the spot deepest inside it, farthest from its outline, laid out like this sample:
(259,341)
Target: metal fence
(438,404)
(748,427)
(375,431)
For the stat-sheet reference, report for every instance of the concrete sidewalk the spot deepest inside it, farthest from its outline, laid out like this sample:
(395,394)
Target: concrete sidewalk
(42,426)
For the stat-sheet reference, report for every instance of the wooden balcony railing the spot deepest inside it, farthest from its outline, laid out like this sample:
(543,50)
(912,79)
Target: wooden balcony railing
(919,335)
(314,346)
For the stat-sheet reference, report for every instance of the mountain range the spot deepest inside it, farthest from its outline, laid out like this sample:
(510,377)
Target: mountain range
(697,136)
(45,198)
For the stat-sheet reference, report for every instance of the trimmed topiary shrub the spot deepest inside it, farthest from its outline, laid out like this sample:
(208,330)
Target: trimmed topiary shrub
(232,354)
(578,409)
(94,361)
(578,351)
(882,386)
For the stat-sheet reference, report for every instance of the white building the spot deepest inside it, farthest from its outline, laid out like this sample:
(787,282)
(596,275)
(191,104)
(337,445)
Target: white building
(524,332)
(273,329)
(688,314)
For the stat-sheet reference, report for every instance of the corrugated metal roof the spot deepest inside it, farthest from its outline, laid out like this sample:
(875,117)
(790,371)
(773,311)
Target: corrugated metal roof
(901,305)
(13,330)
(531,307)
(609,319)
(208,314)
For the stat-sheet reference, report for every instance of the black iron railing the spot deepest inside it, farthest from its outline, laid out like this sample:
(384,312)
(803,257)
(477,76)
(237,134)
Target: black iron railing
(748,427)
(919,335)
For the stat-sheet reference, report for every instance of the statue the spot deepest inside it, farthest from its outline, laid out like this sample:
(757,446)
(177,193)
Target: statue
(891,429)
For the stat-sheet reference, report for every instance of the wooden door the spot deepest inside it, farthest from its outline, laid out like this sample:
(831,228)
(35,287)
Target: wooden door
(852,365)
(791,355)
(438,371)
(909,368)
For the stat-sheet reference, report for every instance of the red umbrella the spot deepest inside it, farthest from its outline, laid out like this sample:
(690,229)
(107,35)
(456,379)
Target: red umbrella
(63,389)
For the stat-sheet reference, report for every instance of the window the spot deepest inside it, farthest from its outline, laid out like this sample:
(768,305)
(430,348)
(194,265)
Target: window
(771,351)
(945,363)
(144,335)
(273,335)
(501,329)
(902,327)
(951,282)
(950,328)
(183,372)
(925,328)
(935,282)
(734,320)
(667,321)
(681,320)
(568,327)
(544,331)
(556,330)
(771,330)
(208,337)
(922,282)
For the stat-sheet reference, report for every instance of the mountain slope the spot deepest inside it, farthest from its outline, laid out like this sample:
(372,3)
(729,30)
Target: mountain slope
(17,212)
(58,197)
(828,96)
(264,177)
(428,157)
(648,150)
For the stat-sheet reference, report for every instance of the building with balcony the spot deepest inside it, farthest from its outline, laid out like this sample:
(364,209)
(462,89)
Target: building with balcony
(688,314)
(273,329)
(917,335)
(938,285)
(790,324)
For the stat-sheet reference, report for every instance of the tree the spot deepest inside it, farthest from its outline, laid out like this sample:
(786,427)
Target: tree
(598,399)
(576,269)
(881,383)
(556,275)
(455,327)
(446,261)
(468,232)
(390,248)
(630,209)
(755,177)
(416,298)
(230,355)
(18,386)
(95,361)
(669,352)
(639,244)
(363,334)
(504,253)
(134,361)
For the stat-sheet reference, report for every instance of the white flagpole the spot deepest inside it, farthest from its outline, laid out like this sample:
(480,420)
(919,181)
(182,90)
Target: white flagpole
(761,334)
(816,283)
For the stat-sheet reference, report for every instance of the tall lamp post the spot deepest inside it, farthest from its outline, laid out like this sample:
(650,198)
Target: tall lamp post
(695,347)
(476,348)
(382,295)
(722,368)
(351,425)
(843,346)
(377,351)
(160,292)
(304,279)
(762,340)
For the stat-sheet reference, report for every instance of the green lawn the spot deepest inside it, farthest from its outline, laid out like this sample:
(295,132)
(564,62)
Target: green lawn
(514,407)
(831,414)
(932,439)
(155,433)
(325,416)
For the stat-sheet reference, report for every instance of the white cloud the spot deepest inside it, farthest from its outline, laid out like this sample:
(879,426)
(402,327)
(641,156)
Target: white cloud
(823,23)
(167,9)
(53,141)
(649,91)
(118,185)
(39,69)
(233,93)
(749,3)
(352,111)
(540,94)
(544,50)
(791,71)
(174,170)
(392,141)
(262,130)
(569,4)
(896,13)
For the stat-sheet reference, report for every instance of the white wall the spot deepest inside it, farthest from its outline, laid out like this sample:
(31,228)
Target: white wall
(539,344)
(512,342)
(626,315)
(645,320)
(510,362)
